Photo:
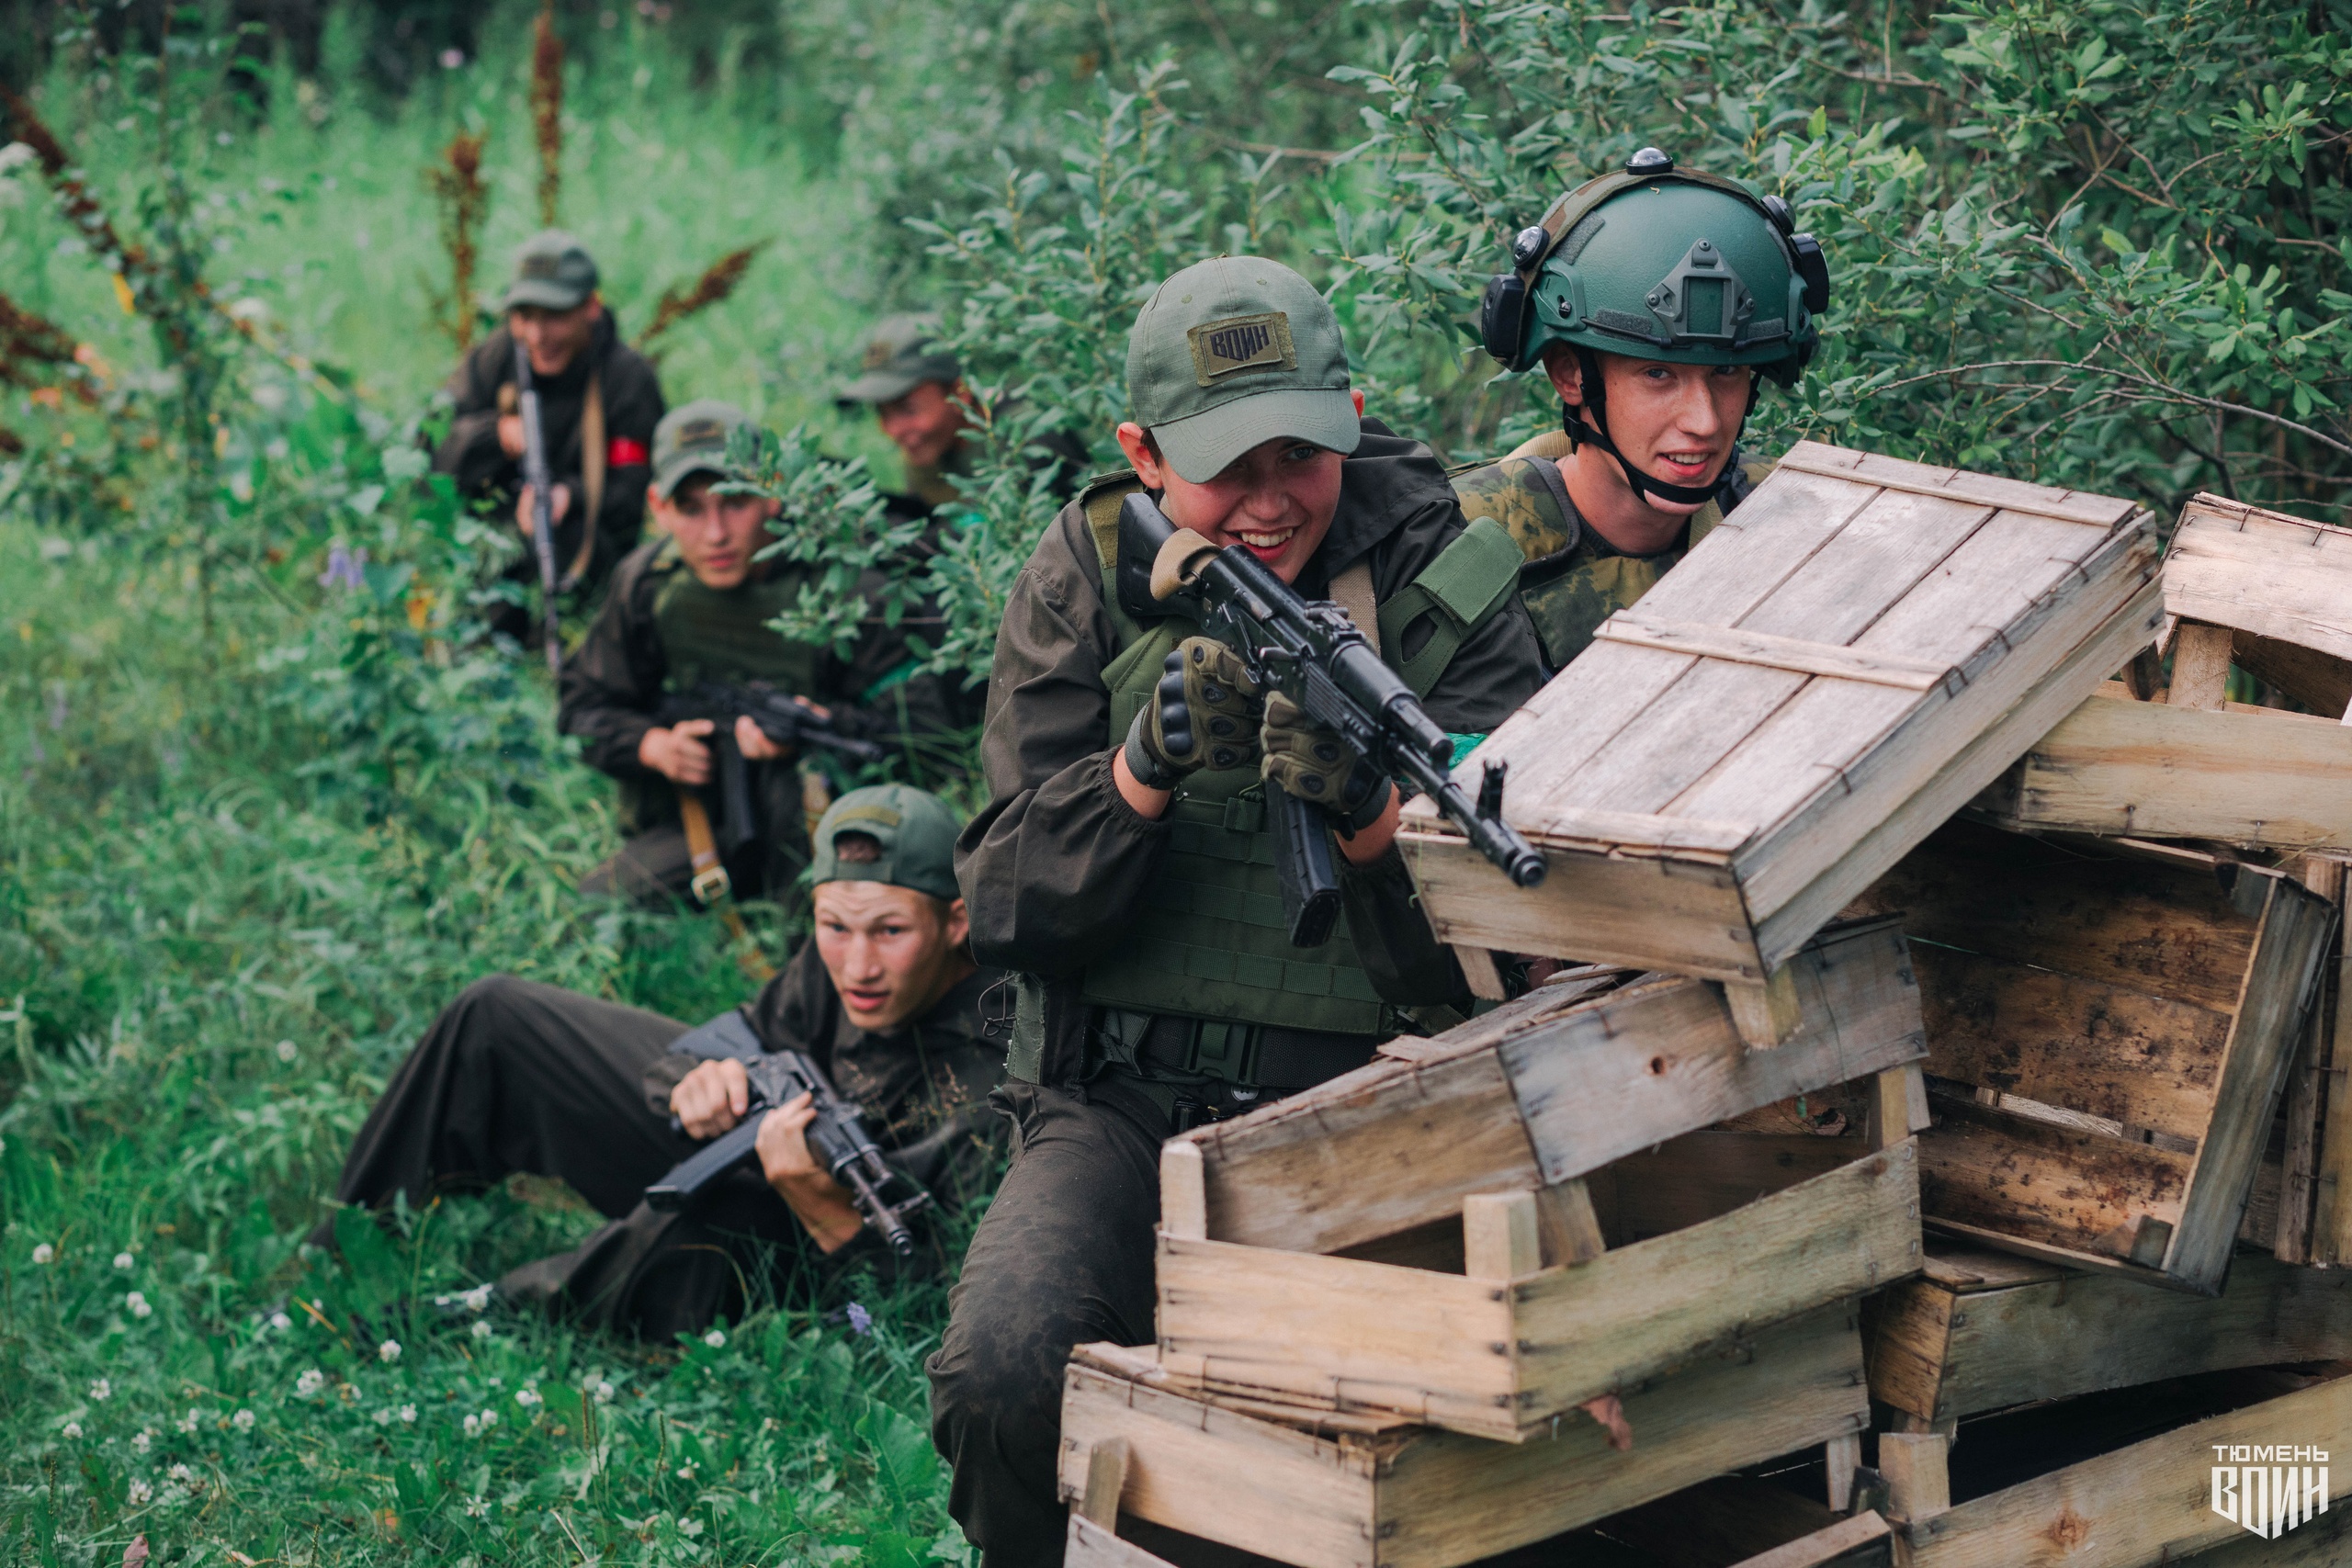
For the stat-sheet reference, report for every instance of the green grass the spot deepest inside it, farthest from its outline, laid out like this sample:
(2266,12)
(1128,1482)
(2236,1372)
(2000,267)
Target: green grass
(226,913)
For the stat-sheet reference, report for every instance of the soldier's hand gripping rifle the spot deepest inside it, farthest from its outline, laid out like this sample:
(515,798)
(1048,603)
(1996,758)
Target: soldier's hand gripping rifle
(886,1198)
(1315,655)
(785,720)
(541,485)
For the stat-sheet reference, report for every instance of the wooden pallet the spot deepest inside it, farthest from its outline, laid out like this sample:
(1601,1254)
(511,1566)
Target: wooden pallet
(2109,1026)
(1980,1330)
(1827,677)
(1336,1491)
(2136,1505)
(2258,778)
(2269,593)
(2314,1224)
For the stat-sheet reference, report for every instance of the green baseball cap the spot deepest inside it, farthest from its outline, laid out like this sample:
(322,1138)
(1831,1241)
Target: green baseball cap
(692,439)
(1236,351)
(898,356)
(915,827)
(554,271)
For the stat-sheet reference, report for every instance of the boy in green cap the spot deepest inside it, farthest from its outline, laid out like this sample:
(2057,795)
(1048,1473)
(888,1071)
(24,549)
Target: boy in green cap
(691,606)
(520,1076)
(1125,865)
(599,400)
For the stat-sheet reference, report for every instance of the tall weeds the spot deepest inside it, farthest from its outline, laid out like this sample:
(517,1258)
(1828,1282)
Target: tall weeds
(461,200)
(546,110)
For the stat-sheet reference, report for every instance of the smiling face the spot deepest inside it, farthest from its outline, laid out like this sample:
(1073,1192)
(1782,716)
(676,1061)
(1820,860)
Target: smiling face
(718,535)
(1675,422)
(925,422)
(554,338)
(893,952)
(1276,499)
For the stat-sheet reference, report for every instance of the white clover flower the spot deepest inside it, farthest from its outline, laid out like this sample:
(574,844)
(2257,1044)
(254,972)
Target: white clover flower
(603,1392)
(482,1328)
(389,1351)
(473,1424)
(285,1052)
(188,1422)
(181,1474)
(685,1472)
(137,1303)
(101,1389)
(141,1494)
(124,1260)
(242,1420)
(44,1254)
(476,1508)
(714,1339)
(73,1431)
(308,1383)
(280,1322)
(142,1441)
(527,1397)
(478,1299)
(489,1420)
(383,1417)
(408,1414)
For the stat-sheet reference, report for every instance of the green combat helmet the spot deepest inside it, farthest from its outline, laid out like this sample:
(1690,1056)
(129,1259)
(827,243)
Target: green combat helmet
(1663,263)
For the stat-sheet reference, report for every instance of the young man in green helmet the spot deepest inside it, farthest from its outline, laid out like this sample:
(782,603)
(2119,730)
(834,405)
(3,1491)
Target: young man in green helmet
(692,606)
(1656,301)
(1125,864)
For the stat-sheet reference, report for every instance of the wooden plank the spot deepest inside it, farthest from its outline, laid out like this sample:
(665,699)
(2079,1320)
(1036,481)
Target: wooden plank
(1765,1015)
(1499,1240)
(1941,1353)
(1918,1486)
(2200,668)
(1727,1520)
(1636,832)
(1429,1499)
(1841,1457)
(1742,647)
(2322,1542)
(2280,987)
(1481,972)
(2332,1197)
(1106,1476)
(2145,1504)
(2321,682)
(2265,572)
(1092,1546)
(2255,778)
(1862,1541)
(1898,1106)
(1571,1226)
(2299,1158)
(1909,783)
(1698,1176)
(1183,1203)
(2032,1182)
(1894,473)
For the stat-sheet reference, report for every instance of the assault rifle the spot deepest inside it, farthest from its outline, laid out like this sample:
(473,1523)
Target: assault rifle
(783,718)
(1314,654)
(836,1137)
(542,488)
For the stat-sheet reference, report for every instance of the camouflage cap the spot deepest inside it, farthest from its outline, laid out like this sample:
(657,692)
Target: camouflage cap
(899,355)
(553,271)
(692,439)
(1234,352)
(915,827)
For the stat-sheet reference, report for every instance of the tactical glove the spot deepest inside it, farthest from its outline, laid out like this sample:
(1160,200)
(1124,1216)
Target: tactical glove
(1316,766)
(1202,715)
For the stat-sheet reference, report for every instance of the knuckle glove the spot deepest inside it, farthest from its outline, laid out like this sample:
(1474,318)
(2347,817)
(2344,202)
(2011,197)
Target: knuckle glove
(1203,713)
(1317,765)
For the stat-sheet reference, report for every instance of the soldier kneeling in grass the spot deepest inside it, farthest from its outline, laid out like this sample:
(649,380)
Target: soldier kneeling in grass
(885,1000)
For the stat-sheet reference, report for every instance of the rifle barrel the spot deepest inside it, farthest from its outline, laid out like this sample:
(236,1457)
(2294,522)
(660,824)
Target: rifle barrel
(541,485)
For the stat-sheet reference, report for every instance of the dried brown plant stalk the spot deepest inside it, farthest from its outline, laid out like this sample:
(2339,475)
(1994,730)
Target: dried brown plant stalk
(28,339)
(717,281)
(462,198)
(546,110)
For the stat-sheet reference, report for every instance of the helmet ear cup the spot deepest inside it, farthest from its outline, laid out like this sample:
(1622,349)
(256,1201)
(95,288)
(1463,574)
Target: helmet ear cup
(1500,316)
(1814,267)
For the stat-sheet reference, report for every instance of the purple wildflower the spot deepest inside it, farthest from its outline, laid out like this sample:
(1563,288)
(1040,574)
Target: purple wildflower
(860,1320)
(343,567)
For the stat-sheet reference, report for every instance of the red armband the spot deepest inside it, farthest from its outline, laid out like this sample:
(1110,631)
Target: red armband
(621,453)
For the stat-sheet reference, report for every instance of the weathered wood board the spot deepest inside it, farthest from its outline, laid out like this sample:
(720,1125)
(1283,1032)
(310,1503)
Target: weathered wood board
(1510,1348)
(2259,778)
(1541,1090)
(1862,646)
(1741,1521)
(1335,1492)
(2139,1506)
(2109,1028)
(2283,584)
(1981,1330)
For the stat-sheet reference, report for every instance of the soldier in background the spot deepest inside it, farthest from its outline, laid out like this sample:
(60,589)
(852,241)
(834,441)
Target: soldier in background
(599,400)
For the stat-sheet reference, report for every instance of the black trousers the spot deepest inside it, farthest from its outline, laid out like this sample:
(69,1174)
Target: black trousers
(1063,1258)
(515,1075)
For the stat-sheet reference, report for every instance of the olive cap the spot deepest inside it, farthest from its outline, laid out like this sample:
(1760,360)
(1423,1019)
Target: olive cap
(1234,352)
(899,355)
(692,439)
(553,271)
(915,827)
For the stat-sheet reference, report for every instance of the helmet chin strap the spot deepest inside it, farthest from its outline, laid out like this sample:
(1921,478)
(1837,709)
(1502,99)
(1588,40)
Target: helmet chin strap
(1597,433)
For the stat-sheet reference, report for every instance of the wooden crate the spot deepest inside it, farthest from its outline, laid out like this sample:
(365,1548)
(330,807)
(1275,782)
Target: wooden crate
(1337,1491)
(2110,1024)
(2258,778)
(1863,646)
(2269,593)
(2136,1505)
(1742,1521)
(1979,1330)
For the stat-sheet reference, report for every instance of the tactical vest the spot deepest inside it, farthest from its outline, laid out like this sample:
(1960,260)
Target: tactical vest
(709,634)
(1569,586)
(1210,941)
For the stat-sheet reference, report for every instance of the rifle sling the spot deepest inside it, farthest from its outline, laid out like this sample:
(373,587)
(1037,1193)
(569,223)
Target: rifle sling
(592,476)
(712,885)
